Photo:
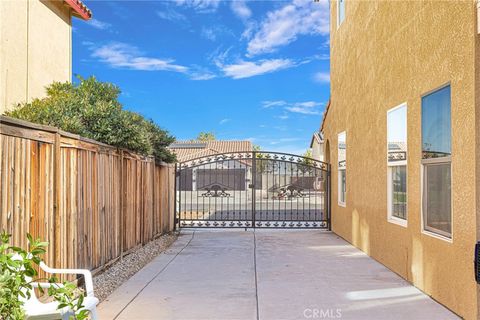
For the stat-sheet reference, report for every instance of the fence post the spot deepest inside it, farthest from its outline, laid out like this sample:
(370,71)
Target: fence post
(57,162)
(154,206)
(121,203)
(171,206)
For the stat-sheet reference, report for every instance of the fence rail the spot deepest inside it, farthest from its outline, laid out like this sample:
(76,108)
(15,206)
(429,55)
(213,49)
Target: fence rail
(91,201)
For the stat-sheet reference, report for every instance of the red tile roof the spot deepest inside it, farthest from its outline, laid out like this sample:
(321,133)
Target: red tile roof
(79,9)
(203,149)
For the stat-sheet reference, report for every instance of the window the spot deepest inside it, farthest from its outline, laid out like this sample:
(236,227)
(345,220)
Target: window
(397,164)
(436,162)
(340,12)
(342,169)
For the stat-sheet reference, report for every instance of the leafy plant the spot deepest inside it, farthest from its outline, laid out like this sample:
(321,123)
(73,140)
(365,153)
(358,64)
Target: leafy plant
(91,109)
(306,163)
(206,136)
(17,273)
(66,295)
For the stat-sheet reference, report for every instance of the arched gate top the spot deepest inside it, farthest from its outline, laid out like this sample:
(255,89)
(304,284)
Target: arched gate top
(259,155)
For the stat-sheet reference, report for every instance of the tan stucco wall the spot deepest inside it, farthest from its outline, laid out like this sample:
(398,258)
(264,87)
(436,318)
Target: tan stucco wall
(35,49)
(386,53)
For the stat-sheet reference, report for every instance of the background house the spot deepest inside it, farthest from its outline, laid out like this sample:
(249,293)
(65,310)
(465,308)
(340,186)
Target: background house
(228,174)
(316,145)
(405,92)
(36,46)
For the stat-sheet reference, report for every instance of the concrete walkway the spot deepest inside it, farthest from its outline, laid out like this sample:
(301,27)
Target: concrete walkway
(269,274)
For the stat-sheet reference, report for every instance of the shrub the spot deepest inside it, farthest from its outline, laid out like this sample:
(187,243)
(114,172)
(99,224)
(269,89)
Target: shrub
(91,109)
(206,136)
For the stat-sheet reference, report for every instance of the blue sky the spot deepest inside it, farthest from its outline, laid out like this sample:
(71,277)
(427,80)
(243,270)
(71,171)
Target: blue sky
(256,70)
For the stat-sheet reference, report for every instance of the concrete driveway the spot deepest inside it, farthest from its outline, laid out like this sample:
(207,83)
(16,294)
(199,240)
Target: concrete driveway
(267,274)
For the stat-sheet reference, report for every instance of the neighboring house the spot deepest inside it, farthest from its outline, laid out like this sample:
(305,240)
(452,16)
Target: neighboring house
(229,174)
(316,145)
(405,94)
(35,46)
(191,149)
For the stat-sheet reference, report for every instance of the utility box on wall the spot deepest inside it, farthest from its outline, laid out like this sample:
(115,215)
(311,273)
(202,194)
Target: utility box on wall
(477,262)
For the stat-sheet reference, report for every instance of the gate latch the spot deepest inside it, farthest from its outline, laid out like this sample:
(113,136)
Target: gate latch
(250,185)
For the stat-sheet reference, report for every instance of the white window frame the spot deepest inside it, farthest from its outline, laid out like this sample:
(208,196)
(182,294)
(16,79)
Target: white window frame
(436,234)
(338,13)
(424,162)
(342,203)
(390,217)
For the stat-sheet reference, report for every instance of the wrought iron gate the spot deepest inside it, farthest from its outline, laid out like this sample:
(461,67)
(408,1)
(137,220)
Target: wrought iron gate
(253,189)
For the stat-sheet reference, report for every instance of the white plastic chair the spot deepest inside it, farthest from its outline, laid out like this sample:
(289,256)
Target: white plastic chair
(36,310)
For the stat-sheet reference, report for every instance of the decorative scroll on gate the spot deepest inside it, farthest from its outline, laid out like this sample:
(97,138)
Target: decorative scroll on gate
(253,189)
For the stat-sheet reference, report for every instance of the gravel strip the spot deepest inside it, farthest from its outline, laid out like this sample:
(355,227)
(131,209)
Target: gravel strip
(120,271)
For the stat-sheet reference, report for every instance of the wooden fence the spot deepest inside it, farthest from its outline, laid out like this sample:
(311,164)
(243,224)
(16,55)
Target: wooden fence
(92,202)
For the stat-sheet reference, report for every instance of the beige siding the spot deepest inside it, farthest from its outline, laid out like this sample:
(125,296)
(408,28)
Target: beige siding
(317,151)
(35,48)
(386,53)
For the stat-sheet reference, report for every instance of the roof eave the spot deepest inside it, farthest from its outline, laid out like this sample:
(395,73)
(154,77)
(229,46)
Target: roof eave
(325,114)
(316,136)
(79,10)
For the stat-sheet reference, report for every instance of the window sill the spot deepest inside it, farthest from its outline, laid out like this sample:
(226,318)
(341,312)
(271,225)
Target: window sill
(437,236)
(398,221)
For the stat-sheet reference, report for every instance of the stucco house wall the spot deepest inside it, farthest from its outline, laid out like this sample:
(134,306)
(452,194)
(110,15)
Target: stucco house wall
(316,146)
(35,37)
(386,53)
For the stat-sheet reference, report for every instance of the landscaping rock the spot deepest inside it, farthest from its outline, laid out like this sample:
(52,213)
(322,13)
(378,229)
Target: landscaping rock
(120,271)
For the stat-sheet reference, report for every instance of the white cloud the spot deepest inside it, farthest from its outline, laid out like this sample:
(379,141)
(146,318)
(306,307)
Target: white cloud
(240,9)
(307,104)
(99,24)
(245,69)
(202,76)
(212,33)
(269,104)
(284,25)
(122,55)
(202,6)
(223,121)
(219,55)
(322,77)
(171,15)
(307,107)
(208,33)
(323,56)
(197,72)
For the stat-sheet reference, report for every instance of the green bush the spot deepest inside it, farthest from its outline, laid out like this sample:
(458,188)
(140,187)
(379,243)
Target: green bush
(91,109)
